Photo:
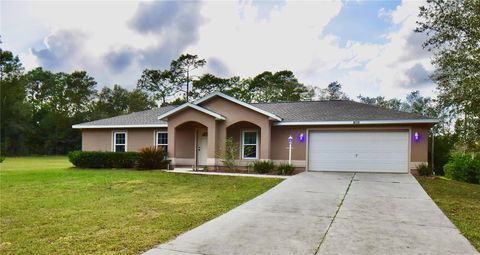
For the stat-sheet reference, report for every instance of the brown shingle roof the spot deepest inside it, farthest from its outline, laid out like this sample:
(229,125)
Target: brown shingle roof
(335,110)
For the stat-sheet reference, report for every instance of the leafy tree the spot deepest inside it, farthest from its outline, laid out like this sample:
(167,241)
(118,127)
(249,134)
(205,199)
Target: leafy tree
(453,31)
(443,145)
(69,94)
(230,154)
(181,70)
(57,100)
(333,92)
(14,111)
(393,103)
(281,86)
(209,83)
(10,66)
(139,101)
(79,90)
(111,102)
(118,101)
(158,83)
(176,101)
(39,84)
(416,103)
(239,88)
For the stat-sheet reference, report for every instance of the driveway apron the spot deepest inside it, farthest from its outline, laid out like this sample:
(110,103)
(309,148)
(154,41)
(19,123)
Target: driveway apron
(329,213)
(391,214)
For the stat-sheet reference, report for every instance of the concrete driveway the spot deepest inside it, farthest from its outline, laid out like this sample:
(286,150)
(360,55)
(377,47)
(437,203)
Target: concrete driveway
(329,213)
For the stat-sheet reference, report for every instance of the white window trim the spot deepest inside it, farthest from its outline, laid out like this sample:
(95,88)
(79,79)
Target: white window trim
(243,144)
(114,147)
(156,138)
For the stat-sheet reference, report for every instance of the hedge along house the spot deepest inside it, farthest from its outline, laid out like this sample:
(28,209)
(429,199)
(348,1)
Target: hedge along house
(336,135)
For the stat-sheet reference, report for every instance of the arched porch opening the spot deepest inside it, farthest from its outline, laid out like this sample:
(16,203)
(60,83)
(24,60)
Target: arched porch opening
(247,136)
(191,144)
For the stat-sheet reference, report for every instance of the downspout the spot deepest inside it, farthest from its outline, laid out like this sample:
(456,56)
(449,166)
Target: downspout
(433,149)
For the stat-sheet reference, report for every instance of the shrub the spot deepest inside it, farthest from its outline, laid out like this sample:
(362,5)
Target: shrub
(250,166)
(285,169)
(2,159)
(443,146)
(463,167)
(152,158)
(263,166)
(424,170)
(230,154)
(476,167)
(100,159)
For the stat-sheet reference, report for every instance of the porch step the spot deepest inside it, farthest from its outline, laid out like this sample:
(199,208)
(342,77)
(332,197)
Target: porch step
(182,169)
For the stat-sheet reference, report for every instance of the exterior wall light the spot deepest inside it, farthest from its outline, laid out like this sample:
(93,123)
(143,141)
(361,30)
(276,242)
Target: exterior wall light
(301,137)
(416,137)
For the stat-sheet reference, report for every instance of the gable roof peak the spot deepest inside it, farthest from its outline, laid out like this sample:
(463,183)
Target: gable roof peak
(194,106)
(234,100)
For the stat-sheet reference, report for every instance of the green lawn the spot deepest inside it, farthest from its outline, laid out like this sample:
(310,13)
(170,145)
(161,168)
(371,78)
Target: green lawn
(460,201)
(47,207)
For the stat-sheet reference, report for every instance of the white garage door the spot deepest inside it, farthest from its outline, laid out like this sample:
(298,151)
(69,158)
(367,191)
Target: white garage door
(360,151)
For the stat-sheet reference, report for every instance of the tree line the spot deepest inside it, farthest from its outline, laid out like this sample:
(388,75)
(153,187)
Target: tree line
(178,84)
(38,107)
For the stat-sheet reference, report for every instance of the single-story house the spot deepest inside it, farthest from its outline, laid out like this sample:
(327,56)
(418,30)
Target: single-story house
(336,135)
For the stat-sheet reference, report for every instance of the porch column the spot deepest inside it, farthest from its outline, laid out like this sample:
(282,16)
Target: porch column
(221,138)
(265,135)
(171,143)
(212,144)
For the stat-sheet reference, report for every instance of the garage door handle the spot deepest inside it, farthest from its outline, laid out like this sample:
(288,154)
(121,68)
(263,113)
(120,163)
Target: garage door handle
(356,155)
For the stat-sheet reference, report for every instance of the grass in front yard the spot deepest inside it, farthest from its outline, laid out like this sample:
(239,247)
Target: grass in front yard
(46,207)
(460,201)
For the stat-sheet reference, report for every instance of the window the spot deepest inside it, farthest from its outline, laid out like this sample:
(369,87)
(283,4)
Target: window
(161,141)
(120,141)
(250,144)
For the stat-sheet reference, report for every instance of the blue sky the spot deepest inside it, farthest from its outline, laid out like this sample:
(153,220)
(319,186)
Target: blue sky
(368,46)
(360,21)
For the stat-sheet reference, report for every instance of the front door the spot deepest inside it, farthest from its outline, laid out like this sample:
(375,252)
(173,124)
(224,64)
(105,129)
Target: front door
(202,147)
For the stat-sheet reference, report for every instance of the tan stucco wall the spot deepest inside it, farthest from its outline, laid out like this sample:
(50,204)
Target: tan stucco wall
(235,132)
(280,142)
(280,134)
(419,150)
(273,139)
(102,139)
(236,113)
(96,139)
(185,141)
(137,138)
(185,116)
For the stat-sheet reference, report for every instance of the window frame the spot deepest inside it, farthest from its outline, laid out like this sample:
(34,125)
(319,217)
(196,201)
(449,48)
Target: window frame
(156,139)
(114,137)
(243,144)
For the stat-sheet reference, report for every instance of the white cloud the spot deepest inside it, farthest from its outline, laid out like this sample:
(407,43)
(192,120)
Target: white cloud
(289,39)
(389,72)
(117,43)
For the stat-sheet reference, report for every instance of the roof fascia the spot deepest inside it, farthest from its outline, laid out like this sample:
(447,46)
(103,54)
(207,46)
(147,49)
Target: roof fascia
(194,106)
(356,122)
(232,99)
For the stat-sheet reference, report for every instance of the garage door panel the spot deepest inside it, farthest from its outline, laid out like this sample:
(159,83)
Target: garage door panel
(390,156)
(358,151)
